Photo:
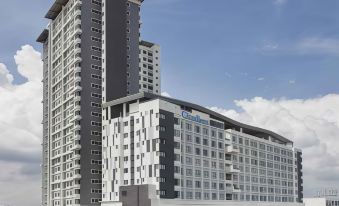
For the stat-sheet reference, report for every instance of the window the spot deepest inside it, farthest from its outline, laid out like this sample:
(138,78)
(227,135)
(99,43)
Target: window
(96,39)
(197,140)
(96,30)
(205,142)
(94,11)
(95,143)
(95,200)
(94,76)
(96,124)
(96,58)
(94,48)
(96,2)
(96,67)
(96,171)
(95,95)
(95,133)
(96,162)
(197,129)
(97,21)
(93,104)
(162,116)
(96,86)
(205,152)
(96,114)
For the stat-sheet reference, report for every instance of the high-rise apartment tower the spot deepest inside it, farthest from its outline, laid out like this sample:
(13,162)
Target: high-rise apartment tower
(91,55)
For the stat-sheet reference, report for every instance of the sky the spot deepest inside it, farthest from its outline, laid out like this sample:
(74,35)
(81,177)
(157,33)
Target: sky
(269,63)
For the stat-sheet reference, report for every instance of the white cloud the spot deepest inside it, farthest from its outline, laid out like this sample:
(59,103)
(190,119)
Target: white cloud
(313,124)
(165,94)
(316,45)
(292,82)
(6,78)
(261,79)
(20,130)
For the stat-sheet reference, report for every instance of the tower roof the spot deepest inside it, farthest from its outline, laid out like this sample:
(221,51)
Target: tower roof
(55,9)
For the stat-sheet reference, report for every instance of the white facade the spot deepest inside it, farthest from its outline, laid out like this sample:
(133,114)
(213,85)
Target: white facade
(61,173)
(210,163)
(149,68)
(322,201)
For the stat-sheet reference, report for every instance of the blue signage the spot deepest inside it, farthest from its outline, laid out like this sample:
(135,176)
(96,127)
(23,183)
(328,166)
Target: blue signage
(196,118)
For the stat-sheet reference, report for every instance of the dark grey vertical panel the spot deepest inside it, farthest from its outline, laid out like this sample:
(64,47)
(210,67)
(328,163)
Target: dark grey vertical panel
(133,52)
(116,49)
(168,160)
(86,99)
(300,177)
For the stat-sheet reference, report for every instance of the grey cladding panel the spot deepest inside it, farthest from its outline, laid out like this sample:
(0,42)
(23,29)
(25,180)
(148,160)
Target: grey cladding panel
(168,160)
(116,49)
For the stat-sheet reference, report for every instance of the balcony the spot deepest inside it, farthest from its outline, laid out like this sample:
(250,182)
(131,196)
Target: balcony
(228,161)
(77,41)
(77,79)
(229,188)
(77,98)
(77,137)
(78,4)
(77,88)
(77,50)
(77,147)
(236,189)
(77,176)
(232,169)
(228,141)
(77,166)
(77,21)
(77,127)
(77,59)
(77,117)
(77,69)
(77,108)
(77,12)
(232,150)
(77,156)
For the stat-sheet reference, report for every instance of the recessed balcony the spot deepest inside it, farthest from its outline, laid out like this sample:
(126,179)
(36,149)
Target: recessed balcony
(77,12)
(77,176)
(232,149)
(77,88)
(77,50)
(228,141)
(77,59)
(77,156)
(77,21)
(232,169)
(77,41)
(77,69)
(77,127)
(77,117)
(77,147)
(77,108)
(77,79)
(236,189)
(77,137)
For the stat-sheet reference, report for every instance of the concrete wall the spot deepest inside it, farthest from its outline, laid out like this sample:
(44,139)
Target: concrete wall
(315,201)
(164,202)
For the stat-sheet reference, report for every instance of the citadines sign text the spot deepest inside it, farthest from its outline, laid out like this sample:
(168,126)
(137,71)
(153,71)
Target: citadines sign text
(196,118)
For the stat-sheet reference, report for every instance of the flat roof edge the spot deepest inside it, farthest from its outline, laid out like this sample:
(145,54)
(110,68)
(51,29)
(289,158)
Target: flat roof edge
(43,36)
(198,108)
(55,9)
